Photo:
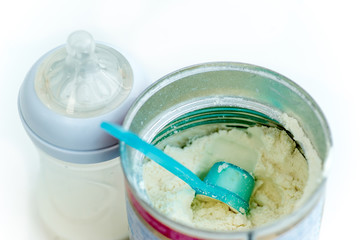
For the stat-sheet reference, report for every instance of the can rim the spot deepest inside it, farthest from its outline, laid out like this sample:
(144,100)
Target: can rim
(216,66)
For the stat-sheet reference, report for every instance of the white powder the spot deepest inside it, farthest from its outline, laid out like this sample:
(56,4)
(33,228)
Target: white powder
(222,167)
(280,170)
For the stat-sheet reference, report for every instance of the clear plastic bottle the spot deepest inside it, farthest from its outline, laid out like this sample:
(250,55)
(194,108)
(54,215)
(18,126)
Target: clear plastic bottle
(62,101)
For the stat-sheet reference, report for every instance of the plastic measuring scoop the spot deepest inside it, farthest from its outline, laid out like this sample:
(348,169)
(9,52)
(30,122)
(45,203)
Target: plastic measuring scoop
(225,182)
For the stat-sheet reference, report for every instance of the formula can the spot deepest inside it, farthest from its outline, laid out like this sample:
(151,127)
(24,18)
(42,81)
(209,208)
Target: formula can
(198,100)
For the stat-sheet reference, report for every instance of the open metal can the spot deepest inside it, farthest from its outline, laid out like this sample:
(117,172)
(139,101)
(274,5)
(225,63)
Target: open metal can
(197,100)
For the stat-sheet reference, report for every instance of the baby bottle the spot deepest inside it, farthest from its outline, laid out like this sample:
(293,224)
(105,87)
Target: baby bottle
(62,102)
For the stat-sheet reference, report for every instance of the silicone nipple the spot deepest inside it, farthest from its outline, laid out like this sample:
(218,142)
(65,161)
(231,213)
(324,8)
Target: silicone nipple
(84,79)
(80,46)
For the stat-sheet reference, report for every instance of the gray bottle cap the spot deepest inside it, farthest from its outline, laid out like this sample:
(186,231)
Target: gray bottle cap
(69,92)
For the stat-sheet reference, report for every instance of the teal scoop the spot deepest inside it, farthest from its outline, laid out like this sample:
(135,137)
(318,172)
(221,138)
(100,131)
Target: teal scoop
(224,182)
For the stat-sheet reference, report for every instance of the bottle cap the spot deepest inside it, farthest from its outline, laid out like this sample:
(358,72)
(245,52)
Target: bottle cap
(69,92)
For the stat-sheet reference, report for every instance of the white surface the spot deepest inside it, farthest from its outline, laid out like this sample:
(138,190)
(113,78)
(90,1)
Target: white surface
(314,43)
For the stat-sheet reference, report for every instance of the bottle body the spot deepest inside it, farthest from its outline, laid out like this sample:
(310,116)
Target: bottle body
(64,98)
(82,201)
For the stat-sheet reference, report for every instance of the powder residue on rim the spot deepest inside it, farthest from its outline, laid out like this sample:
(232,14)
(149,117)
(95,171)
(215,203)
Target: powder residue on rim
(222,167)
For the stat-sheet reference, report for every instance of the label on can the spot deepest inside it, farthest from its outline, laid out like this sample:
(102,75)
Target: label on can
(144,226)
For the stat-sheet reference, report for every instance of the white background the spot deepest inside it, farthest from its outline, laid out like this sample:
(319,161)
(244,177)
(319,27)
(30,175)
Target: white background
(314,43)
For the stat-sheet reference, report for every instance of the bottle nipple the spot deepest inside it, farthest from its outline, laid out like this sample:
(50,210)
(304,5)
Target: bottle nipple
(80,46)
(84,79)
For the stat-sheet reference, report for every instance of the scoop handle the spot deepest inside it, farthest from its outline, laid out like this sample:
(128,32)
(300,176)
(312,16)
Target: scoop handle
(156,155)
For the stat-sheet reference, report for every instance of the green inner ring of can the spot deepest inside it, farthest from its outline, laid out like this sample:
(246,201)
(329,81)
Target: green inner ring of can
(228,117)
